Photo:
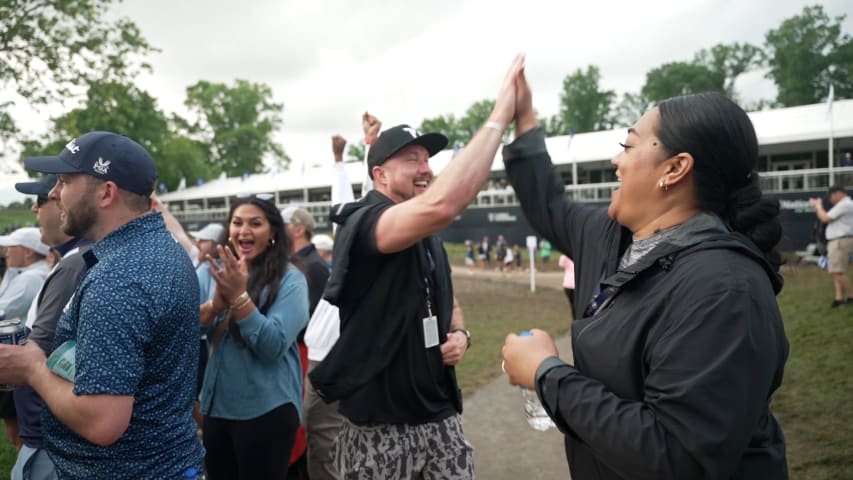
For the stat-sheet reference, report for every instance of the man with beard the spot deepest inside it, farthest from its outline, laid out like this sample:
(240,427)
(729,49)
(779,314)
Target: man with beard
(33,461)
(402,332)
(124,411)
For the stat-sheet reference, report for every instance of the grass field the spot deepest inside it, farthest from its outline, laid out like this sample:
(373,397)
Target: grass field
(813,405)
(16,217)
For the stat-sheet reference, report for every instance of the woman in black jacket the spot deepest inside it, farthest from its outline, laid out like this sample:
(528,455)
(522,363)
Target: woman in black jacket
(678,341)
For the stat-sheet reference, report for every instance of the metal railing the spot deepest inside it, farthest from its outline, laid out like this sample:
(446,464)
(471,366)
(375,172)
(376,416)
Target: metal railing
(771,182)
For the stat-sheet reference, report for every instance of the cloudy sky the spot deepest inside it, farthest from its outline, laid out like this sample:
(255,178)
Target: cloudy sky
(328,61)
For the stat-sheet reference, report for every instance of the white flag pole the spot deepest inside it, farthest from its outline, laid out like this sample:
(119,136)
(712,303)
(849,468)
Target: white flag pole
(829,100)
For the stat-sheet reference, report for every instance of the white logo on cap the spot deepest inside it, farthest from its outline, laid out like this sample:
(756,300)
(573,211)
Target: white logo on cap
(72,146)
(101,166)
(412,131)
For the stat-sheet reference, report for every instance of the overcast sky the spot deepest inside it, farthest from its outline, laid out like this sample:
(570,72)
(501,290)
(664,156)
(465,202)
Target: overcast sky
(328,61)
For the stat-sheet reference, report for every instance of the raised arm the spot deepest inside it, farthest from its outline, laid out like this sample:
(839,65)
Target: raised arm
(370,126)
(175,228)
(341,185)
(407,222)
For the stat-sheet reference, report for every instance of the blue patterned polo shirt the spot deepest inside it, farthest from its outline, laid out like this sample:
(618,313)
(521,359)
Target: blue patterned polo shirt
(135,318)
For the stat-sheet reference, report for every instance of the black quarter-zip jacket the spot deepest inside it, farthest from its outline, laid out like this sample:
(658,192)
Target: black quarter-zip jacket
(673,378)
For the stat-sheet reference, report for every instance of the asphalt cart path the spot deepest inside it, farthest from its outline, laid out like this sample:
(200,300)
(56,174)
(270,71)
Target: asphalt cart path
(505,446)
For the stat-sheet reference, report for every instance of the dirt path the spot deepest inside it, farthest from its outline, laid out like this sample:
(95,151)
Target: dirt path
(505,447)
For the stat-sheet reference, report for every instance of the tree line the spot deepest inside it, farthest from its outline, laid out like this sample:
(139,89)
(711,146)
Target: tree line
(803,56)
(70,52)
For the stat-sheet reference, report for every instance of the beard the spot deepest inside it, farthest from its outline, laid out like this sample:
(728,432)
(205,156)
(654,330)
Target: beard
(80,219)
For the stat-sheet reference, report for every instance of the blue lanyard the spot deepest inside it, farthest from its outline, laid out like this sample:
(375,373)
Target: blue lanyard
(600,301)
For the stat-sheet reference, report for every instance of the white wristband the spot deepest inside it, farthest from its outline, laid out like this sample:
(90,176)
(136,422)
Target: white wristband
(495,126)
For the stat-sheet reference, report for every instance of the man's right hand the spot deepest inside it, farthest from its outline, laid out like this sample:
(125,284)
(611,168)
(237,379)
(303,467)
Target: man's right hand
(338,144)
(370,125)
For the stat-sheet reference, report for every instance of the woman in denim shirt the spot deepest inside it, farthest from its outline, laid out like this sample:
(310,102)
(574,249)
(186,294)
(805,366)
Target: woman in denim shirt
(254,304)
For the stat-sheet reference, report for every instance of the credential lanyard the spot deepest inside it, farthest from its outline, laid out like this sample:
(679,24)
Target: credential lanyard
(600,301)
(428,268)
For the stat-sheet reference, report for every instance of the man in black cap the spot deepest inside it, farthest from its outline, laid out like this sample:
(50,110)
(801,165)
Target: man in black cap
(33,461)
(401,330)
(124,410)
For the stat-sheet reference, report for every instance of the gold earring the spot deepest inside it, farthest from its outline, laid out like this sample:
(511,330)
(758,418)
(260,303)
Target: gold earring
(663,186)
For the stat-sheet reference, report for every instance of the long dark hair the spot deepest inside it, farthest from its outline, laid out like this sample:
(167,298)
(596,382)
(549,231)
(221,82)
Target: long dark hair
(269,268)
(721,139)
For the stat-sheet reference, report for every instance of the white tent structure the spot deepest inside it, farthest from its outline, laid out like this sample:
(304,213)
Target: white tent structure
(780,132)
(794,154)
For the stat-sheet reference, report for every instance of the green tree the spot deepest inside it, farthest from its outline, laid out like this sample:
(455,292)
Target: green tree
(475,117)
(806,54)
(680,78)
(237,123)
(446,125)
(355,152)
(584,106)
(552,126)
(49,47)
(125,109)
(728,62)
(631,108)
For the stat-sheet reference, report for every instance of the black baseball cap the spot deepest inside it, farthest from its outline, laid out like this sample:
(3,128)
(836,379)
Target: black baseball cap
(396,138)
(41,187)
(104,155)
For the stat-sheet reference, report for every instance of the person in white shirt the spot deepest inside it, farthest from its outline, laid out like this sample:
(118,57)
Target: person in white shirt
(27,269)
(839,237)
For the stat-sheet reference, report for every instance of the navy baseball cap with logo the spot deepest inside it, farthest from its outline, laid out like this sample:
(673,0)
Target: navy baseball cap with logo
(42,186)
(103,155)
(396,138)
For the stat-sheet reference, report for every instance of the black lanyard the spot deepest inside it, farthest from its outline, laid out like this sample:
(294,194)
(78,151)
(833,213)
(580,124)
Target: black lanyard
(429,267)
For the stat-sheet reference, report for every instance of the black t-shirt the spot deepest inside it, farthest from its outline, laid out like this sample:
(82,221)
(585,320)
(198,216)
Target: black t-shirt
(415,387)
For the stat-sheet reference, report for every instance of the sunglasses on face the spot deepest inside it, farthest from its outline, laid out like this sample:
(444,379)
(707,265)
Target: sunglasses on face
(41,200)
(266,197)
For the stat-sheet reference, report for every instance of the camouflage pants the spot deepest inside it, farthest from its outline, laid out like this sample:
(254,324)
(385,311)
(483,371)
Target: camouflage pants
(436,450)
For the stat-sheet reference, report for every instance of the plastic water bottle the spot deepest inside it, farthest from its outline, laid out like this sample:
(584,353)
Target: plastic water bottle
(537,417)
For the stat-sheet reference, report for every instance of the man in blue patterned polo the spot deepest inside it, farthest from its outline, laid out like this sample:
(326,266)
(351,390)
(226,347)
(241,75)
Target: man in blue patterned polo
(134,317)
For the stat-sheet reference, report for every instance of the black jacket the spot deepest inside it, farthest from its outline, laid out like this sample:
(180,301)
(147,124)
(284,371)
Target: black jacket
(674,377)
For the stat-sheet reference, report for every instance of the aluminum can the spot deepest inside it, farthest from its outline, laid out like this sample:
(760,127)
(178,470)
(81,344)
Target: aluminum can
(12,332)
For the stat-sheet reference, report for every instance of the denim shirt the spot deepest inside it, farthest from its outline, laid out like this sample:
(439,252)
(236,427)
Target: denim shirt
(246,381)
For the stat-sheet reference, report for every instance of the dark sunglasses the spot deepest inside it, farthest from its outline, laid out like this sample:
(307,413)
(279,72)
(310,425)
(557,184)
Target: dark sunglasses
(266,197)
(41,200)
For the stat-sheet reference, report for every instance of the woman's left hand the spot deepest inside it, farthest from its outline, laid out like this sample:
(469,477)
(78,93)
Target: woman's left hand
(523,355)
(231,277)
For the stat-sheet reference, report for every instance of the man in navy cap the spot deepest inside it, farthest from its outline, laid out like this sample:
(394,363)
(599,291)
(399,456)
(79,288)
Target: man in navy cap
(126,413)
(33,461)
